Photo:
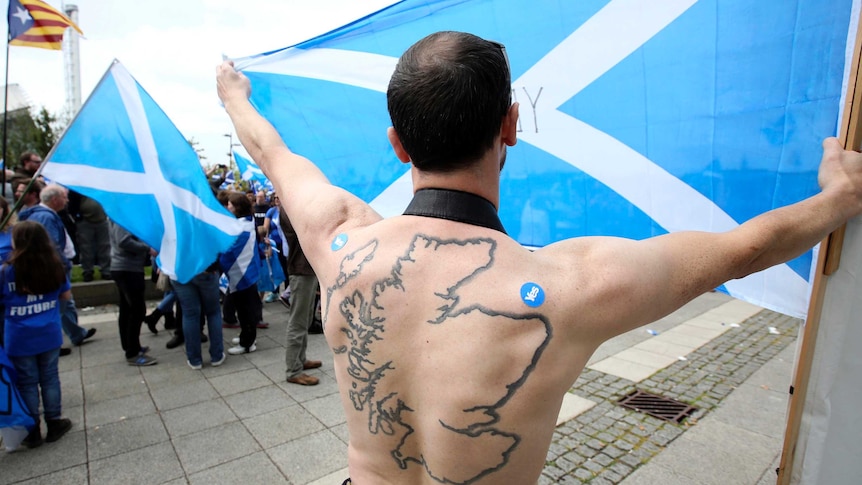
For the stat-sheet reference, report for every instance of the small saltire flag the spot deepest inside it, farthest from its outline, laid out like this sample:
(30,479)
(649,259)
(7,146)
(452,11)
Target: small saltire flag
(123,151)
(265,186)
(242,259)
(638,118)
(229,180)
(34,23)
(248,170)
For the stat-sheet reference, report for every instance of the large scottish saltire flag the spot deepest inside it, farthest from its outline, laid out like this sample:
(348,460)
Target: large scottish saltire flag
(637,117)
(122,150)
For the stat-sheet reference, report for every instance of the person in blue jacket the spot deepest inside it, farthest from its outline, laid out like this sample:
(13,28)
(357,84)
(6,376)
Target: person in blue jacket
(33,282)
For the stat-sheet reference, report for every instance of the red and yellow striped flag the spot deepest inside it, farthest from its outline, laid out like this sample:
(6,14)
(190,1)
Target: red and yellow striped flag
(34,23)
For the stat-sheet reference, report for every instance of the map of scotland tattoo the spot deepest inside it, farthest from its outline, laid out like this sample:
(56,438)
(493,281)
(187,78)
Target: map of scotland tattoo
(476,427)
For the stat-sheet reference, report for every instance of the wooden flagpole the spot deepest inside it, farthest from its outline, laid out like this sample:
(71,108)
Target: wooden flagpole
(850,133)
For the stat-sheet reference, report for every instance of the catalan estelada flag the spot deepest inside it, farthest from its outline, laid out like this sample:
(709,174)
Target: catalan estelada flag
(34,23)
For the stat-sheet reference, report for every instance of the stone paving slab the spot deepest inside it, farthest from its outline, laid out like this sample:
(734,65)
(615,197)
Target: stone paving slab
(572,407)
(625,369)
(643,359)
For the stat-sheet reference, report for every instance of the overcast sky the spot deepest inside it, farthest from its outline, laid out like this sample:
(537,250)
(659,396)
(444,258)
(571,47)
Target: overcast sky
(172,48)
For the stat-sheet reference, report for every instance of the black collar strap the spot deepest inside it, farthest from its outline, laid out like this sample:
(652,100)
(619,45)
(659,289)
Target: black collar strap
(456,206)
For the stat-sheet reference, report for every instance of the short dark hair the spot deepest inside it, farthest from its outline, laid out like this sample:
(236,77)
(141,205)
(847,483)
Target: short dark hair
(241,204)
(26,156)
(222,197)
(35,188)
(447,99)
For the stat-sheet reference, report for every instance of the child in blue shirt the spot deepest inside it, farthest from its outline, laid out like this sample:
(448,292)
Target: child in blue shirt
(32,283)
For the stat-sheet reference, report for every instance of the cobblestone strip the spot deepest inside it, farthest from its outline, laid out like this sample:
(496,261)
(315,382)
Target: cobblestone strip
(608,442)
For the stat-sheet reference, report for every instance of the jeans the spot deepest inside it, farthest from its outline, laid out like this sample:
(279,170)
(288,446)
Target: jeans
(133,309)
(94,245)
(69,321)
(69,317)
(200,295)
(167,303)
(35,372)
(303,290)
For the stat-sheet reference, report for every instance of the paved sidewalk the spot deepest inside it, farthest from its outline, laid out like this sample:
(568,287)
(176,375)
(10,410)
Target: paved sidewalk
(242,423)
(738,381)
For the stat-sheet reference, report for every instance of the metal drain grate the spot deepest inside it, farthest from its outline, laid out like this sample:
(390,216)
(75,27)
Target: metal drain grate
(657,406)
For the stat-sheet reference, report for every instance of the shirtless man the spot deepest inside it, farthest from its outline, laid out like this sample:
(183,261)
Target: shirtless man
(453,345)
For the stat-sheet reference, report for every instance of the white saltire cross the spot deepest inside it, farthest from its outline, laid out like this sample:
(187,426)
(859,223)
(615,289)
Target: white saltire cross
(149,182)
(602,42)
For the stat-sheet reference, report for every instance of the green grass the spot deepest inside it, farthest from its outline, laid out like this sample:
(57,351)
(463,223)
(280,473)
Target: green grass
(78,276)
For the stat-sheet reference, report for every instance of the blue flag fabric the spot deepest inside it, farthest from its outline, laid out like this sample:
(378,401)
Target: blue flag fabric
(229,180)
(637,118)
(123,151)
(265,186)
(271,274)
(249,170)
(15,419)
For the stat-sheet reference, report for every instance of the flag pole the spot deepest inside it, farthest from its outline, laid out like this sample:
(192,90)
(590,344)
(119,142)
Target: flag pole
(5,121)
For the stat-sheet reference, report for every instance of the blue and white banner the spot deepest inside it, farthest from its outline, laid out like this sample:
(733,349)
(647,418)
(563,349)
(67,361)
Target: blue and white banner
(241,262)
(638,118)
(229,180)
(123,151)
(249,170)
(265,186)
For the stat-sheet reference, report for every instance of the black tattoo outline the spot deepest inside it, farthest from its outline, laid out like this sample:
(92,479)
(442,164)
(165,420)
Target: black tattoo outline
(345,276)
(363,329)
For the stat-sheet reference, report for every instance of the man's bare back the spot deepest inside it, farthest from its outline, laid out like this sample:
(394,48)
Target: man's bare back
(438,356)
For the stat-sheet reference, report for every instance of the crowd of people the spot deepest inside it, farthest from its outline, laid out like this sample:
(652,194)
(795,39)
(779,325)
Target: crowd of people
(49,234)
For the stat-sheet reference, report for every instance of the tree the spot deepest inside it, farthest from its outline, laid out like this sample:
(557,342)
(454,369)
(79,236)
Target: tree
(200,151)
(47,131)
(26,132)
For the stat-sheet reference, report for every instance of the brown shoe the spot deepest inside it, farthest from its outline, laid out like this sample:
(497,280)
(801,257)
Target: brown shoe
(311,364)
(304,380)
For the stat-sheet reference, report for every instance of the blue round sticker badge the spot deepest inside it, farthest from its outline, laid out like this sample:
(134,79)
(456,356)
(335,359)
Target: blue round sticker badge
(532,294)
(339,242)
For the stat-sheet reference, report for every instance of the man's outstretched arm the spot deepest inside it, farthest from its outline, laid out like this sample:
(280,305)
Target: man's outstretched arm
(317,209)
(645,280)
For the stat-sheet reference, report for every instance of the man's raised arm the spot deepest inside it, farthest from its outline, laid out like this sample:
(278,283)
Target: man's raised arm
(645,280)
(317,209)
